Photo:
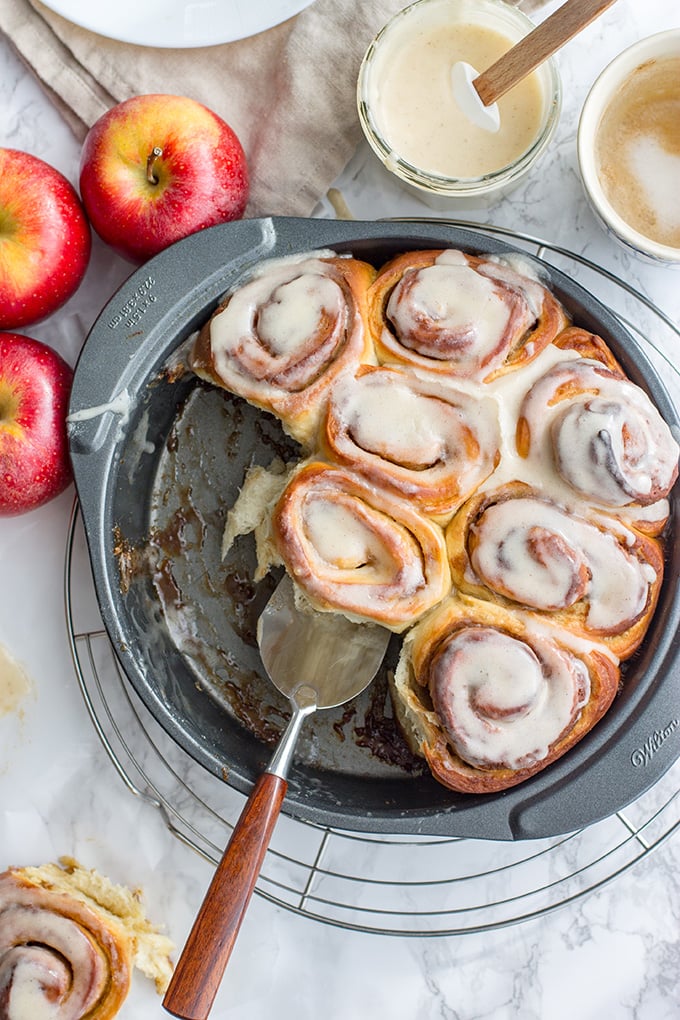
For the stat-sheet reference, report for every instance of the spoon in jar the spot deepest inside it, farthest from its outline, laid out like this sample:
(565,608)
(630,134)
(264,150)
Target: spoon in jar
(477,94)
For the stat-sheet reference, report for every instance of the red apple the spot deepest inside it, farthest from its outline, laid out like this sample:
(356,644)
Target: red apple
(157,168)
(45,239)
(35,383)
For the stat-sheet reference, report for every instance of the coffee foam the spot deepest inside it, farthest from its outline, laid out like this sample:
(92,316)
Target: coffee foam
(638,151)
(658,172)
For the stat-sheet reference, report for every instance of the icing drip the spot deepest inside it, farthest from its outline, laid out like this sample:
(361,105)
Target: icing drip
(415,434)
(608,441)
(468,316)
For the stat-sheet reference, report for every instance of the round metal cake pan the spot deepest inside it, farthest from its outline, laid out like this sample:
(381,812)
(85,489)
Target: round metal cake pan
(158,458)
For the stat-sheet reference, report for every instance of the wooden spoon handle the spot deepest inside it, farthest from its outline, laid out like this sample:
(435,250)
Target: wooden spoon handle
(199,970)
(557,29)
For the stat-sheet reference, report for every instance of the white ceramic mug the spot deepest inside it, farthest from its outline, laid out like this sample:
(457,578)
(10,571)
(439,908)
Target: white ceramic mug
(634,59)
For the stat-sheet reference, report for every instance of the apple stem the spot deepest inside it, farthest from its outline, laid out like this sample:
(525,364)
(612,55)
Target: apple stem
(156,152)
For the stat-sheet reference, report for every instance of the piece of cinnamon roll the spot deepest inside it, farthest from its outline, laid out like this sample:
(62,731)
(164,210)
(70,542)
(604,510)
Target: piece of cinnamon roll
(490,698)
(282,337)
(460,314)
(68,942)
(588,572)
(357,550)
(601,433)
(413,434)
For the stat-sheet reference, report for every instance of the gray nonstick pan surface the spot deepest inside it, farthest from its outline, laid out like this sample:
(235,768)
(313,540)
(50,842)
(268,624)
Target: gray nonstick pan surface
(158,458)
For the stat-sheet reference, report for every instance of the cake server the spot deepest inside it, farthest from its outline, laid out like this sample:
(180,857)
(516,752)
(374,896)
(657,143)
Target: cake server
(477,94)
(318,660)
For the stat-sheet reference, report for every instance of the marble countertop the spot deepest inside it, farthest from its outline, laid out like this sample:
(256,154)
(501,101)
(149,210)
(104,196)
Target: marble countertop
(613,951)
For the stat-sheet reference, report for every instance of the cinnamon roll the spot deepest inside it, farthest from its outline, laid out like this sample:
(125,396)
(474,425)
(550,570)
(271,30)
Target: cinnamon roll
(413,434)
(355,549)
(489,697)
(601,434)
(280,339)
(478,473)
(591,574)
(460,314)
(68,942)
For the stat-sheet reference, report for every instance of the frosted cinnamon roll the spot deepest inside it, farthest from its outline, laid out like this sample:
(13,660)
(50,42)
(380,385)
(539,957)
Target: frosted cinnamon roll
(460,314)
(489,697)
(590,573)
(68,942)
(357,550)
(413,434)
(280,339)
(602,435)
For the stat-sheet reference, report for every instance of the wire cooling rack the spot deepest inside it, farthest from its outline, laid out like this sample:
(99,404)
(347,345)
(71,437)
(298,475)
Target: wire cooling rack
(392,885)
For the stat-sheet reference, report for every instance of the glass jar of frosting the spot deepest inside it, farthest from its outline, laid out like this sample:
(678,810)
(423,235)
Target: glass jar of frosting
(410,116)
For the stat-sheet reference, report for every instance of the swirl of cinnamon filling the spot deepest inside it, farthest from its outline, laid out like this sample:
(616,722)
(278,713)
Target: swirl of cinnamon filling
(537,554)
(280,339)
(598,577)
(489,697)
(357,550)
(606,439)
(460,314)
(414,434)
(504,702)
(59,959)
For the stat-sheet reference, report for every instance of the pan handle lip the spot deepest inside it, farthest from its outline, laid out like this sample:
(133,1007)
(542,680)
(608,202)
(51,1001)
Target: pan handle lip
(158,305)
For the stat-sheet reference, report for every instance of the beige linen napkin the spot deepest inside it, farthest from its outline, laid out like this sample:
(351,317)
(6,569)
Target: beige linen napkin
(289,92)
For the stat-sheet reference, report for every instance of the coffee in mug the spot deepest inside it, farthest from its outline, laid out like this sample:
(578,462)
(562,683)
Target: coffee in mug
(637,150)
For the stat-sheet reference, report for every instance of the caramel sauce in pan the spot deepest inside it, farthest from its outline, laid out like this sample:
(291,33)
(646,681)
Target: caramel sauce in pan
(346,718)
(242,592)
(185,532)
(128,558)
(380,732)
(249,710)
(240,688)
(210,607)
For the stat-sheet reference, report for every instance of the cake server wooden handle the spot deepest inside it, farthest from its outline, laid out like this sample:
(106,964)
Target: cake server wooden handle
(199,970)
(557,29)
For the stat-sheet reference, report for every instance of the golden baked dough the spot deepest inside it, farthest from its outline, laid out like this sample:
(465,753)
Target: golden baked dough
(490,697)
(470,404)
(69,940)
(460,314)
(413,434)
(517,546)
(355,549)
(282,338)
(601,433)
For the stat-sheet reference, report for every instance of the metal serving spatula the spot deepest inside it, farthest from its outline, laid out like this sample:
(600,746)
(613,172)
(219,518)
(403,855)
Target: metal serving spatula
(319,660)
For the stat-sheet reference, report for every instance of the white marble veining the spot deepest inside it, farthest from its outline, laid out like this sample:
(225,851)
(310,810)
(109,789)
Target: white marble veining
(614,952)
